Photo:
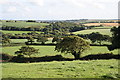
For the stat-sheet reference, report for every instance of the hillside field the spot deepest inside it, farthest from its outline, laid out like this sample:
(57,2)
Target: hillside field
(24,24)
(17,32)
(102,31)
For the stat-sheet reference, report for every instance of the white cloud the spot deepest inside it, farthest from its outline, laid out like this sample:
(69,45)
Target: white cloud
(49,11)
(58,9)
(75,3)
(3,1)
(11,9)
(104,1)
(98,5)
(37,2)
(27,9)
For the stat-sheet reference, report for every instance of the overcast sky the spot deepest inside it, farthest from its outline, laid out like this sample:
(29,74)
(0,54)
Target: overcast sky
(58,9)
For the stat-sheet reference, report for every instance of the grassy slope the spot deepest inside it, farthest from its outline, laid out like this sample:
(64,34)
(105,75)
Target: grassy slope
(23,24)
(63,69)
(17,32)
(25,40)
(102,31)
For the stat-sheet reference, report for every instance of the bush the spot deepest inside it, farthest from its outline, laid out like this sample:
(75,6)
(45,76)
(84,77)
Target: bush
(5,57)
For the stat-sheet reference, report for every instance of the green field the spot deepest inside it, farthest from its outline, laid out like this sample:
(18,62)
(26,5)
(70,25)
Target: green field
(105,27)
(25,40)
(102,31)
(18,40)
(24,24)
(62,69)
(17,32)
(49,51)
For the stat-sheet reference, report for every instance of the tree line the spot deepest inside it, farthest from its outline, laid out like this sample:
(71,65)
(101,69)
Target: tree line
(94,37)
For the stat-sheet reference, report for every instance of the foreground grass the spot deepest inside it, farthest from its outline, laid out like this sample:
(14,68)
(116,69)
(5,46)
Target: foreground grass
(63,69)
(49,51)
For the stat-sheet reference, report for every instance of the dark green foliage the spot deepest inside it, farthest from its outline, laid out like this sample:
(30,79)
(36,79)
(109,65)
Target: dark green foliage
(5,40)
(26,50)
(5,57)
(97,37)
(30,21)
(115,38)
(62,28)
(72,44)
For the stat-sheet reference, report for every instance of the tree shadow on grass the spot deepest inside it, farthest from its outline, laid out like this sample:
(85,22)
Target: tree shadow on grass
(101,56)
(18,59)
(39,59)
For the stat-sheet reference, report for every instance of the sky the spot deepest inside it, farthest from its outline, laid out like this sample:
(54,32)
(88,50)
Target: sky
(58,9)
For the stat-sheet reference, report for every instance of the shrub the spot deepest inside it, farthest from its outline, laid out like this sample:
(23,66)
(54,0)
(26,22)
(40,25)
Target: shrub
(5,57)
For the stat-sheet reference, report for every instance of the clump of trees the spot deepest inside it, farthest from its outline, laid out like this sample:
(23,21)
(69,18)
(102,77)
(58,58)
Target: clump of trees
(97,37)
(72,44)
(30,21)
(63,28)
(26,50)
(115,39)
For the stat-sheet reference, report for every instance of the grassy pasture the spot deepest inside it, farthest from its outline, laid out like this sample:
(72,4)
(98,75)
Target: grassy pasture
(102,31)
(18,40)
(17,32)
(62,69)
(49,51)
(25,40)
(24,24)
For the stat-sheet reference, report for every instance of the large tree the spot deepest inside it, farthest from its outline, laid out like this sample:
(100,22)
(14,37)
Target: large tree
(26,50)
(72,44)
(115,38)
